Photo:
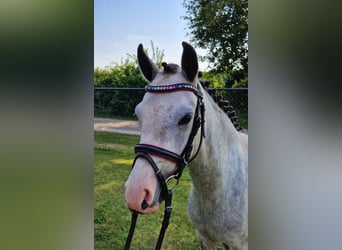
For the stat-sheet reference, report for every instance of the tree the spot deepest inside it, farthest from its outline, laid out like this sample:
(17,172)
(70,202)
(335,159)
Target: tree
(221,27)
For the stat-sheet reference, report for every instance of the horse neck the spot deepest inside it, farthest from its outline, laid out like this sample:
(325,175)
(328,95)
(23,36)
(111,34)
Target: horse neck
(209,169)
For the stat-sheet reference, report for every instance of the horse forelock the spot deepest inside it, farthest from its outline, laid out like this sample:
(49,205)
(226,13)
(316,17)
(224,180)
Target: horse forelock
(172,74)
(170,68)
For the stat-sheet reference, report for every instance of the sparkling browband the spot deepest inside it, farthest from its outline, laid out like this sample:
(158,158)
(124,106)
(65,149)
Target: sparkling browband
(171,88)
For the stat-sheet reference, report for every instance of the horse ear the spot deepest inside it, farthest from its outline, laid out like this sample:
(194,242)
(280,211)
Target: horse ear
(147,67)
(189,61)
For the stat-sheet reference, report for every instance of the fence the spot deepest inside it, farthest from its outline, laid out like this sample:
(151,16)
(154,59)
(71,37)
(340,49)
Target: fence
(120,102)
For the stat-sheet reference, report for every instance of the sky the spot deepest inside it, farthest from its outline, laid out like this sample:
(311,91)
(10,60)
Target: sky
(121,25)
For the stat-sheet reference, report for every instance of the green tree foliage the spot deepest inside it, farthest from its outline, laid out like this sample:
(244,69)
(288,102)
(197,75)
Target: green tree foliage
(221,27)
(216,80)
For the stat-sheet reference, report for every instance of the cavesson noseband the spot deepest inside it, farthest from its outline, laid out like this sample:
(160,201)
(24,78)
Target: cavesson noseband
(146,150)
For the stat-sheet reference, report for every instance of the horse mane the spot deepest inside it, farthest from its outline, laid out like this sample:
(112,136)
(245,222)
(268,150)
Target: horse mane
(223,104)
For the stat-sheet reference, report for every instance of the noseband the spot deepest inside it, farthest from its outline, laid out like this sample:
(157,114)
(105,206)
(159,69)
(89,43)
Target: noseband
(145,150)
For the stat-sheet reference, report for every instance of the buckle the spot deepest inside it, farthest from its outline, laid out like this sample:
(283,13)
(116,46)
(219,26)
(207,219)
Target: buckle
(173,185)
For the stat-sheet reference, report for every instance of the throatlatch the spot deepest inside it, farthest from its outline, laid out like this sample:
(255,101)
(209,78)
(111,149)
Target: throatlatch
(145,150)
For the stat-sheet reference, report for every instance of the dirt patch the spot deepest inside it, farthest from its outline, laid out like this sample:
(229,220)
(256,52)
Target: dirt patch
(116,126)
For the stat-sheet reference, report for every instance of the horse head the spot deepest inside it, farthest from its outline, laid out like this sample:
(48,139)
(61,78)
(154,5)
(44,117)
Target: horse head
(166,121)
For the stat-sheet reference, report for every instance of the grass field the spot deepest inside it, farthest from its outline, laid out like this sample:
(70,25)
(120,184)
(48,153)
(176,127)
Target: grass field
(113,156)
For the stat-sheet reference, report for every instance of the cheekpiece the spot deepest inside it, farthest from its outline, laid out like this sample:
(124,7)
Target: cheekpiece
(171,88)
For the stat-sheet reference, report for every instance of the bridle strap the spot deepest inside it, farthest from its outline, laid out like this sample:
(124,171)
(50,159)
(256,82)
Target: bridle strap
(165,193)
(166,220)
(198,123)
(184,158)
(154,150)
(131,230)
(144,151)
(157,171)
(165,224)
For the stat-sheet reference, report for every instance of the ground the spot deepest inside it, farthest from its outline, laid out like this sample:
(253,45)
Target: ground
(116,126)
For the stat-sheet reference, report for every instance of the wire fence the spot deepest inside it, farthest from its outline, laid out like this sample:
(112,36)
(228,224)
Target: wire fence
(121,102)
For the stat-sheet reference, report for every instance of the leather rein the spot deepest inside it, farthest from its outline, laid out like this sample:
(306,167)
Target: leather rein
(145,151)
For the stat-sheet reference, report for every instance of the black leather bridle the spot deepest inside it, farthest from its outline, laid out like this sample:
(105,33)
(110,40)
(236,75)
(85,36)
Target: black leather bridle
(145,151)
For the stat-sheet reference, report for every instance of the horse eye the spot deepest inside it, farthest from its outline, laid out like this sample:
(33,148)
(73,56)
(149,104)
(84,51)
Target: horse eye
(185,119)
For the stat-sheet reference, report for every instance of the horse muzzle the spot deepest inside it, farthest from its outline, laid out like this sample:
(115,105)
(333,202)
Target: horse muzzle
(147,187)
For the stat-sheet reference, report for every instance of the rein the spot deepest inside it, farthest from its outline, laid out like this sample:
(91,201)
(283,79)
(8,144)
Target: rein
(145,150)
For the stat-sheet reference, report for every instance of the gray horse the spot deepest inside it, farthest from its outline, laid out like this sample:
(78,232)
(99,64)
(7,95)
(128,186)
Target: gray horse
(217,204)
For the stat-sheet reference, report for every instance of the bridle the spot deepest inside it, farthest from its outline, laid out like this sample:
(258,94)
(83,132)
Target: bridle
(146,150)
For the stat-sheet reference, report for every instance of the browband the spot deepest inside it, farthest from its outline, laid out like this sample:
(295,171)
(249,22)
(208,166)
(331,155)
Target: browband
(173,88)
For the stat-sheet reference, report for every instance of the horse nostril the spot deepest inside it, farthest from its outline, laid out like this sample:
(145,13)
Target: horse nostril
(146,199)
(144,204)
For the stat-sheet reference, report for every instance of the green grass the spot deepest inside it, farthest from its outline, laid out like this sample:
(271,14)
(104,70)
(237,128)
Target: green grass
(113,156)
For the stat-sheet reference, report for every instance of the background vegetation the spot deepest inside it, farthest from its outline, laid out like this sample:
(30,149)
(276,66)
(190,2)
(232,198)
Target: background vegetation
(221,28)
(117,103)
(125,75)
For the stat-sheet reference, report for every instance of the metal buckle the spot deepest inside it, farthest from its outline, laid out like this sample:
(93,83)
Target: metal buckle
(173,185)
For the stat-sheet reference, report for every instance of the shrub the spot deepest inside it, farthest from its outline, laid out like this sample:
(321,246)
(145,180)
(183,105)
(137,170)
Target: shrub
(117,103)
